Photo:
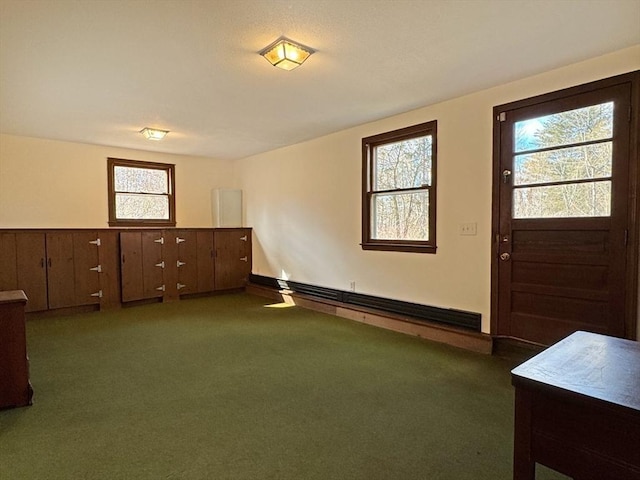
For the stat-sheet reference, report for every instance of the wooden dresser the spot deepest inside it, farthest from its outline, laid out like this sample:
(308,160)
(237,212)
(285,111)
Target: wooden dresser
(15,389)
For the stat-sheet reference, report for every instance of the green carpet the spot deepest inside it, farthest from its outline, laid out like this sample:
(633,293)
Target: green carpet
(232,387)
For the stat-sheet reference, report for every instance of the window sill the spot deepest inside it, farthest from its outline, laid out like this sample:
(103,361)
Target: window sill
(399,247)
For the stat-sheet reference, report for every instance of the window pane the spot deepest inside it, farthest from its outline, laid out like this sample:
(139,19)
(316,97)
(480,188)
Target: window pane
(143,207)
(591,199)
(140,180)
(405,164)
(401,216)
(573,126)
(575,163)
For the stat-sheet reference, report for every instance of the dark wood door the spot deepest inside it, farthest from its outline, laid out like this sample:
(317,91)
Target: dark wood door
(87,268)
(187,263)
(205,264)
(60,270)
(233,258)
(561,242)
(31,268)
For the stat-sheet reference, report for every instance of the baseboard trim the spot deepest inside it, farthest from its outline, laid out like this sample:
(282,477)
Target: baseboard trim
(447,334)
(446,316)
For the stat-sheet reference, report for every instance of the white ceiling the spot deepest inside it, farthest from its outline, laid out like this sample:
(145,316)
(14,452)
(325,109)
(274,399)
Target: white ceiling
(97,71)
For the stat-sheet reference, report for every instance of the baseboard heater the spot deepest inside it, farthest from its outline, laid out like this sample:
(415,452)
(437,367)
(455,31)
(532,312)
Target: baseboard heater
(448,316)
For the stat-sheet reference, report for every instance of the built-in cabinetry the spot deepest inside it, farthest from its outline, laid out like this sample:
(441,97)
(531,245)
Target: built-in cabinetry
(177,262)
(55,269)
(103,268)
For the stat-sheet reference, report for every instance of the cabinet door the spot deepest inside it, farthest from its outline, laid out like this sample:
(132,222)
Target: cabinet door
(152,264)
(131,266)
(205,266)
(110,275)
(30,265)
(8,259)
(233,258)
(60,270)
(187,263)
(86,268)
(141,265)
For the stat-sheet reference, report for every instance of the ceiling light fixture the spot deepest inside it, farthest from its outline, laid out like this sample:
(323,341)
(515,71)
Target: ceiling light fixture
(153,133)
(286,54)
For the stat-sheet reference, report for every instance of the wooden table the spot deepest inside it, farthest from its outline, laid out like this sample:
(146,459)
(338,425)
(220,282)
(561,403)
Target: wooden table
(577,409)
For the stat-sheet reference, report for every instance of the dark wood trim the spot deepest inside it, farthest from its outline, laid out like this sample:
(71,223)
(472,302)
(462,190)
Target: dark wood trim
(120,162)
(368,144)
(633,225)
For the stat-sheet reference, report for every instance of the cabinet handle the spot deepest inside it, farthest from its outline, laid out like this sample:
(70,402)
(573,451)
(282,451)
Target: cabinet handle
(161,264)
(180,240)
(97,294)
(123,258)
(160,288)
(245,259)
(97,269)
(49,262)
(179,263)
(159,240)
(244,239)
(42,263)
(180,286)
(95,242)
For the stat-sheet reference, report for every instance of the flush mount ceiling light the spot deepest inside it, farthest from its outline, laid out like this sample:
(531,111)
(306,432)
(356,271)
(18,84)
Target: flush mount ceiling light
(286,54)
(153,133)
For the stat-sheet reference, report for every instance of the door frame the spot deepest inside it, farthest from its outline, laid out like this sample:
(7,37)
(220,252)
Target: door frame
(633,222)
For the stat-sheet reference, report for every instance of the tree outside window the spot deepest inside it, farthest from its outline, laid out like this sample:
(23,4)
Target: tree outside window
(399,190)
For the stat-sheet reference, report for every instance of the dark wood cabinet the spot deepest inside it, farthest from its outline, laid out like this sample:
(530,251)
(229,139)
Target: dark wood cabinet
(141,265)
(232,258)
(55,269)
(15,389)
(104,268)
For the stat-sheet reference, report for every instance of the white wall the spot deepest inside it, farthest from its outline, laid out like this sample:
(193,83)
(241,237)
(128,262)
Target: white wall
(303,201)
(53,184)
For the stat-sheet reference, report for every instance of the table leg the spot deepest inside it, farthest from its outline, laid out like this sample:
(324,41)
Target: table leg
(524,467)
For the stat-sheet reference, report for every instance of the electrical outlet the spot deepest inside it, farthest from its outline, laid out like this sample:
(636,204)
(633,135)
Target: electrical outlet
(352,286)
(468,228)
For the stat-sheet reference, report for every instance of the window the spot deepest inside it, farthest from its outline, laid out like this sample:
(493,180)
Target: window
(562,164)
(399,190)
(141,193)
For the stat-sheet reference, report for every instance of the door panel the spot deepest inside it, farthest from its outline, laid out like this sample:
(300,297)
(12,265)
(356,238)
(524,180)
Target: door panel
(205,267)
(32,273)
(87,278)
(187,262)
(152,264)
(131,266)
(60,270)
(563,213)
(8,267)
(233,258)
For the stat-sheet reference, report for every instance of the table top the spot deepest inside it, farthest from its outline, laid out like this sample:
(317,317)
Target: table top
(12,296)
(589,364)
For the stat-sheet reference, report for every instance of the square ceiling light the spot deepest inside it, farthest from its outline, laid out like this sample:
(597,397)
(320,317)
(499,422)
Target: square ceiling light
(286,54)
(153,133)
